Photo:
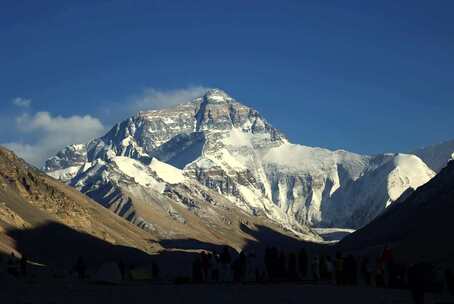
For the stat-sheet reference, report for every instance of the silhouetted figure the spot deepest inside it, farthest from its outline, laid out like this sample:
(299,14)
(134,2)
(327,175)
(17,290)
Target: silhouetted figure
(268,262)
(243,266)
(379,273)
(205,263)
(366,270)
(225,259)
(205,259)
(155,270)
(23,265)
(215,268)
(329,267)
(315,266)
(197,270)
(80,268)
(302,262)
(346,276)
(122,267)
(292,270)
(350,270)
(354,269)
(12,265)
(130,271)
(258,275)
(236,270)
(273,263)
(275,267)
(239,267)
(339,269)
(386,260)
(282,265)
(251,265)
(322,267)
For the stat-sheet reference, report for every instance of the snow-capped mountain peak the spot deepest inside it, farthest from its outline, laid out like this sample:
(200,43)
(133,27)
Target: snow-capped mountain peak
(228,147)
(216,96)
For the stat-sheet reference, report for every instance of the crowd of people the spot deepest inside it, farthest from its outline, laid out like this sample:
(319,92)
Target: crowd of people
(277,265)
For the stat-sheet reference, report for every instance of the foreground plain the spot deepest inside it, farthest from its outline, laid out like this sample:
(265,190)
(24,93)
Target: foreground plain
(216,294)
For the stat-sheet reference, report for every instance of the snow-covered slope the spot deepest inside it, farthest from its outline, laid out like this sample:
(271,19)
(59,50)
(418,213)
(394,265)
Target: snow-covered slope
(65,165)
(168,173)
(437,156)
(220,144)
(417,226)
(161,199)
(382,183)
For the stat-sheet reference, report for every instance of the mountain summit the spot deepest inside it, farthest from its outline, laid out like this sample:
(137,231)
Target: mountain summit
(216,96)
(222,145)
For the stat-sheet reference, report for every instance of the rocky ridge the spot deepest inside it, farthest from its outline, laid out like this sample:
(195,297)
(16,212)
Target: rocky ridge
(231,152)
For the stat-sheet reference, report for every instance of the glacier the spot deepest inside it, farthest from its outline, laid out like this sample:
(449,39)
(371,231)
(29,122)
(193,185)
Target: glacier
(215,142)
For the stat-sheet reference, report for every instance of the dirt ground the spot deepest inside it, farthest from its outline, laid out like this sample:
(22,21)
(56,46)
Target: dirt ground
(87,293)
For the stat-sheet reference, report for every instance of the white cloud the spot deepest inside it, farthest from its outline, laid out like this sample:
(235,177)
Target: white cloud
(157,99)
(41,135)
(22,102)
(52,133)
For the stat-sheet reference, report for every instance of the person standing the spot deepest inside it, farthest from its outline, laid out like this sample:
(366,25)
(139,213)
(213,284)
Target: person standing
(80,268)
(353,269)
(380,273)
(366,270)
(292,271)
(282,265)
(122,267)
(339,269)
(329,269)
(23,265)
(205,263)
(12,265)
(302,262)
(215,267)
(386,260)
(316,268)
(225,259)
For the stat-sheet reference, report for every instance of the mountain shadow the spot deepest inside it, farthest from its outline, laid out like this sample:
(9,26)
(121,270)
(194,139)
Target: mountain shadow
(261,237)
(54,243)
(181,149)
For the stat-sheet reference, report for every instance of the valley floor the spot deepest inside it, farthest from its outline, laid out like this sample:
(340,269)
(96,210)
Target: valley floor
(210,294)
(333,234)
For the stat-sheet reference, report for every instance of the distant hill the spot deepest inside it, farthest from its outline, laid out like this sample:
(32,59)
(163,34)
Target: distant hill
(45,219)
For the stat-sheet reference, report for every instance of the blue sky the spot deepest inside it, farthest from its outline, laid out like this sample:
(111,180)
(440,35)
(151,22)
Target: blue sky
(366,76)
